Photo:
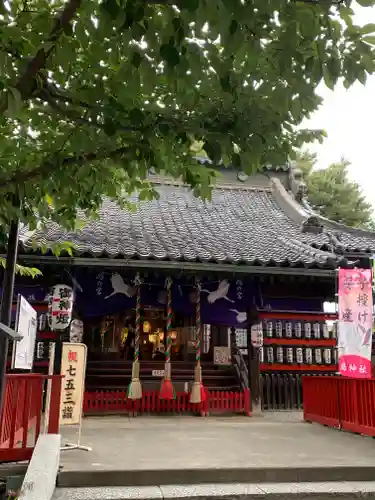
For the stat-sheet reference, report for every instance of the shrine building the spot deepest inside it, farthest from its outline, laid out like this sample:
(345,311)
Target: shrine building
(146,280)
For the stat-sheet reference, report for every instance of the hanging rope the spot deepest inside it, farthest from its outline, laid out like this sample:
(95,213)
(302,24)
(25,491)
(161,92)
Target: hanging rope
(198,325)
(167,389)
(198,393)
(135,387)
(137,339)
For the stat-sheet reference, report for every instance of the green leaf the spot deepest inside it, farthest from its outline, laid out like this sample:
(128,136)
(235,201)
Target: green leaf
(328,80)
(31,272)
(366,3)
(111,7)
(136,116)
(368,28)
(170,55)
(369,39)
(296,108)
(14,102)
(346,14)
(226,83)
(213,149)
(236,160)
(136,59)
(362,77)
(191,5)
(110,127)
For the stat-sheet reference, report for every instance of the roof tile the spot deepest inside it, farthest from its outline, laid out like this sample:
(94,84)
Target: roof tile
(236,226)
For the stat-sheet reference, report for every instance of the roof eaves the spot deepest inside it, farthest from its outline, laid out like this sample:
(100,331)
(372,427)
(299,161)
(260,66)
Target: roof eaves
(295,269)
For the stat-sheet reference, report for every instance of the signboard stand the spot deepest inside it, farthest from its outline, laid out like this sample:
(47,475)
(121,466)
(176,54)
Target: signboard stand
(78,445)
(73,367)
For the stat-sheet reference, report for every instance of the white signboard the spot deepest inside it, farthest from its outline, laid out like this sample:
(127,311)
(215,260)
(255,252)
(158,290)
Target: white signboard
(158,373)
(73,367)
(26,325)
(222,355)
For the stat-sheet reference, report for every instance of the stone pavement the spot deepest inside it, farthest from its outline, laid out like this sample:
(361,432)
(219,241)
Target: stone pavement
(274,440)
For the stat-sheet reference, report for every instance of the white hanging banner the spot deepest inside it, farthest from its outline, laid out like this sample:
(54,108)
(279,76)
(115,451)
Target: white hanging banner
(26,325)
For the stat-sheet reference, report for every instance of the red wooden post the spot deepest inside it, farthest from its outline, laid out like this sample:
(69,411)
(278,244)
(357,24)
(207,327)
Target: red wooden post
(13,428)
(38,401)
(29,393)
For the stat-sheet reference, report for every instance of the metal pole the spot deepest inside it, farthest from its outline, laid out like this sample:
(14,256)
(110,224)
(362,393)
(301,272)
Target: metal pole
(253,364)
(7,300)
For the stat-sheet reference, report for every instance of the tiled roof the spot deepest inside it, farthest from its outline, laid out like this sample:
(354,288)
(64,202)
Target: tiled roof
(238,226)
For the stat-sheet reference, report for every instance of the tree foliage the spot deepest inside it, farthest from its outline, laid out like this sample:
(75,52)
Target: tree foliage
(31,272)
(95,93)
(331,193)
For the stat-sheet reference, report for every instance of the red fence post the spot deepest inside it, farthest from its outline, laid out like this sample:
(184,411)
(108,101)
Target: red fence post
(247,402)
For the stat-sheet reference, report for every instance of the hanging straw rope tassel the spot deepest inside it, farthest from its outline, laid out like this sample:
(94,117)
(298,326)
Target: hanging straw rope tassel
(166,388)
(198,392)
(135,387)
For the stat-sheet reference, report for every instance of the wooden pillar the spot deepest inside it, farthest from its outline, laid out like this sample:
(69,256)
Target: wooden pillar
(253,364)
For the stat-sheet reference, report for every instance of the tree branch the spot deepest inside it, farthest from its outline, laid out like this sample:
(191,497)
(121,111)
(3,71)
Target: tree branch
(46,169)
(67,114)
(26,82)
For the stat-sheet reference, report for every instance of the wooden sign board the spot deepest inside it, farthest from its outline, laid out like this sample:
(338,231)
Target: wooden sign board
(222,355)
(73,367)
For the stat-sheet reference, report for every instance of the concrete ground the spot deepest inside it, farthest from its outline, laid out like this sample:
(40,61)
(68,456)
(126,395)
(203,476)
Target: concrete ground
(159,443)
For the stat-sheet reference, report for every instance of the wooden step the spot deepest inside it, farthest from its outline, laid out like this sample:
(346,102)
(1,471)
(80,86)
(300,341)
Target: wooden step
(121,371)
(116,375)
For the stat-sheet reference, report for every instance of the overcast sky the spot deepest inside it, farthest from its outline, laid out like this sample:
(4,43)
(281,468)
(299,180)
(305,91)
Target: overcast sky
(346,115)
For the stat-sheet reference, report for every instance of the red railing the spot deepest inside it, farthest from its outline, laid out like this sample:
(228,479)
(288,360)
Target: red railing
(21,418)
(116,402)
(344,403)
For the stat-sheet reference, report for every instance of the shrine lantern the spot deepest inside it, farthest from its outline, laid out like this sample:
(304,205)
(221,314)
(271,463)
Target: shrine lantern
(146,327)
(60,307)
(257,335)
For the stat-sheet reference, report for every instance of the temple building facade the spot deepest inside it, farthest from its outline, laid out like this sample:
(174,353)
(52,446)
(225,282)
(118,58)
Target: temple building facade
(144,280)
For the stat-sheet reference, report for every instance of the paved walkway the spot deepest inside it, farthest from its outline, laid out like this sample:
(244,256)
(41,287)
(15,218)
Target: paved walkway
(272,440)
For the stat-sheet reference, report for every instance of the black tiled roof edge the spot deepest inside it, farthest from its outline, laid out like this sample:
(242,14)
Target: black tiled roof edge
(350,240)
(239,226)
